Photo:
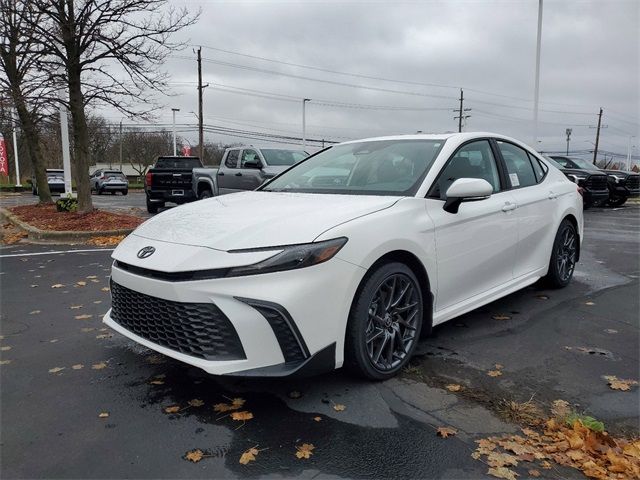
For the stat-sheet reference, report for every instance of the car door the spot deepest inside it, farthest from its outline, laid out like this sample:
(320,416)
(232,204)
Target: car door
(534,199)
(475,248)
(227,181)
(250,178)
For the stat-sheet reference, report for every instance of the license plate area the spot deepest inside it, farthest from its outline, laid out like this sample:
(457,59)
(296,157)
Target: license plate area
(177,192)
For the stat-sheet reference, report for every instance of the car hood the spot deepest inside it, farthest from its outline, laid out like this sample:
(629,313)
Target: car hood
(619,173)
(258,219)
(582,172)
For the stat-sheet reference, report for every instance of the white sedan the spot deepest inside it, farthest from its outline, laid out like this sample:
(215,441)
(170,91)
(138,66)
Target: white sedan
(347,257)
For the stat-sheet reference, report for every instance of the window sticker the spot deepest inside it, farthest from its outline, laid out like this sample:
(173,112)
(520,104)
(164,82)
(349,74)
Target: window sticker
(515,182)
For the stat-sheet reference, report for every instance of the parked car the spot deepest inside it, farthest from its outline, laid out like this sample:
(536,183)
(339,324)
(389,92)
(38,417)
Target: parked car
(622,185)
(170,180)
(55,179)
(347,257)
(244,168)
(594,182)
(111,181)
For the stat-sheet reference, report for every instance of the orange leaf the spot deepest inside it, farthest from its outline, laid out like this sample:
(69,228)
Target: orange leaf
(304,450)
(242,416)
(444,432)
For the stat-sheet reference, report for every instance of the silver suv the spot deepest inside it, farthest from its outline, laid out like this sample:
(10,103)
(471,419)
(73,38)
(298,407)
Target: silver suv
(109,181)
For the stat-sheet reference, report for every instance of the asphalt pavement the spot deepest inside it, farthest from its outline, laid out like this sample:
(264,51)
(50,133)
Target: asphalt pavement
(63,369)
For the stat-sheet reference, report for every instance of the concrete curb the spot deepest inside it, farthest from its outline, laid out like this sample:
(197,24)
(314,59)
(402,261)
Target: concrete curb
(59,236)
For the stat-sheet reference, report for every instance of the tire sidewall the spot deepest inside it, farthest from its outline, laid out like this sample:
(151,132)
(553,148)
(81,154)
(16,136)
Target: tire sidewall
(554,276)
(356,356)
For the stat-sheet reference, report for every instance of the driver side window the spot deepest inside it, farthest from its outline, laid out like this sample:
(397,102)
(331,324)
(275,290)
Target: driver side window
(473,160)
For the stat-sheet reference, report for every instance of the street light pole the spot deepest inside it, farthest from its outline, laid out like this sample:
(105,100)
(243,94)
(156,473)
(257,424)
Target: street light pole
(175,151)
(536,94)
(15,149)
(304,123)
(568,132)
(120,144)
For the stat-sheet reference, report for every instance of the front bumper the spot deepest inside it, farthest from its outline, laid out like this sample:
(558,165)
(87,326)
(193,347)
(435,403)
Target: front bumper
(114,186)
(595,196)
(285,322)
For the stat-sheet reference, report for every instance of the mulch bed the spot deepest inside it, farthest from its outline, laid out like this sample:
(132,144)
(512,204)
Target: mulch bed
(45,217)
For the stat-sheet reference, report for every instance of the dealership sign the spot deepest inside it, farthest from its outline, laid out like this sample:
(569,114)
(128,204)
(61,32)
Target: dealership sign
(4,163)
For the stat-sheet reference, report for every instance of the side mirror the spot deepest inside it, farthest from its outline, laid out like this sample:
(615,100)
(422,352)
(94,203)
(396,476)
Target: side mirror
(466,190)
(253,164)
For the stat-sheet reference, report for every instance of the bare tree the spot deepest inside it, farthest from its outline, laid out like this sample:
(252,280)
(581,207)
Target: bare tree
(141,149)
(107,52)
(25,83)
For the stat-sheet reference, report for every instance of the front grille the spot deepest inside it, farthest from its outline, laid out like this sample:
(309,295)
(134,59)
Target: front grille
(196,329)
(633,182)
(596,182)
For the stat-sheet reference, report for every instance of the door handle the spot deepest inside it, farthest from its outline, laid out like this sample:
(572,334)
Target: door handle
(221,174)
(553,196)
(509,206)
(238,174)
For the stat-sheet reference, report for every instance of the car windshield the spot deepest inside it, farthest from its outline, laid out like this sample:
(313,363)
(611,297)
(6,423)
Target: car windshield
(178,162)
(119,175)
(277,157)
(384,167)
(584,164)
(553,162)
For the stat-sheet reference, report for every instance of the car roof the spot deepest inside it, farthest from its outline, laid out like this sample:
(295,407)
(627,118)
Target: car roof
(461,137)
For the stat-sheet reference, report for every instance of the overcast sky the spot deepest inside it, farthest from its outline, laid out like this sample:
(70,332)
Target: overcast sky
(590,58)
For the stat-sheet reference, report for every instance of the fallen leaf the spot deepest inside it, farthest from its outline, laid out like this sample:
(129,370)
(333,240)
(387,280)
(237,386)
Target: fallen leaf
(317,419)
(610,331)
(93,280)
(34,312)
(5,349)
(503,472)
(103,415)
(305,450)
(97,301)
(103,336)
(498,366)
(57,285)
(34,286)
(249,455)
(444,432)
(242,416)
(196,402)
(560,409)
(236,404)
(534,473)
(494,373)
(542,297)
(616,383)
(172,409)
(105,289)
(5,362)
(194,455)
(99,366)
(501,317)
(87,329)
(83,317)
(453,387)
(81,284)
(338,407)
(91,276)
(589,303)
(77,366)
(496,459)
(75,307)
(56,369)
(157,382)
(294,394)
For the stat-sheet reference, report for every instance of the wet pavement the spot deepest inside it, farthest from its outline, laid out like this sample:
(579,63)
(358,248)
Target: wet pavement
(551,343)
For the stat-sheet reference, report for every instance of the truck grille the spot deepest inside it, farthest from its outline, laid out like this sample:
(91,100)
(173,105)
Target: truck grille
(633,182)
(196,329)
(596,182)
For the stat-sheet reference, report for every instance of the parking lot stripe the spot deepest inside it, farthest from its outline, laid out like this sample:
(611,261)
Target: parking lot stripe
(57,252)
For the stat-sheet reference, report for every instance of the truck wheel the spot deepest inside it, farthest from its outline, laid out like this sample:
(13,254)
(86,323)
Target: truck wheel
(124,192)
(617,201)
(152,207)
(205,194)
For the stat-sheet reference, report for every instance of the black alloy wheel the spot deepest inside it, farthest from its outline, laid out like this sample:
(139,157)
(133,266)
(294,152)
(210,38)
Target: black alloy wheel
(385,322)
(564,256)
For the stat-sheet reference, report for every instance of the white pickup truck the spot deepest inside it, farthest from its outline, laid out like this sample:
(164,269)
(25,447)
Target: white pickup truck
(243,168)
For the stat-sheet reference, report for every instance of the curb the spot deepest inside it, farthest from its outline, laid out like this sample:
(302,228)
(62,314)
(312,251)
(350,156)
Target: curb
(60,236)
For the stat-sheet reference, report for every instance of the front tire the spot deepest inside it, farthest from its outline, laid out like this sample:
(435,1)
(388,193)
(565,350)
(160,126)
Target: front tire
(205,194)
(563,256)
(616,201)
(384,323)
(124,192)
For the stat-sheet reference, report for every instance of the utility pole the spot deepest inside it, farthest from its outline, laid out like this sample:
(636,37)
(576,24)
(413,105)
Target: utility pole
(120,144)
(460,111)
(536,91)
(304,123)
(175,151)
(200,121)
(568,132)
(595,151)
(15,147)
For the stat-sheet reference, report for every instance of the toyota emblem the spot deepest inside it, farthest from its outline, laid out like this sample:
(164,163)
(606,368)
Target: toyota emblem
(146,252)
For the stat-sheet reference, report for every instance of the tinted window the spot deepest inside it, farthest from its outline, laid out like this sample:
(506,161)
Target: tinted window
(519,168)
(383,167)
(232,159)
(249,156)
(282,157)
(538,168)
(178,162)
(474,160)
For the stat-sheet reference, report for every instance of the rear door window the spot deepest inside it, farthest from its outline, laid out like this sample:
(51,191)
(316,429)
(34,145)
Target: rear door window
(519,168)
(232,159)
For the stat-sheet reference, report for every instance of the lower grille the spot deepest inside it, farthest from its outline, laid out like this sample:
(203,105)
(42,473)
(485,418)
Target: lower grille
(596,182)
(633,182)
(196,329)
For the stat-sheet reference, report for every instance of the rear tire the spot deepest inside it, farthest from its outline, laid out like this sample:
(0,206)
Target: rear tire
(152,207)
(99,191)
(616,201)
(563,257)
(384,323)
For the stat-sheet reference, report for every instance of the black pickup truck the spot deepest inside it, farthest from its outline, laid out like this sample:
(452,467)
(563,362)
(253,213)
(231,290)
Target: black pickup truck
(170,180)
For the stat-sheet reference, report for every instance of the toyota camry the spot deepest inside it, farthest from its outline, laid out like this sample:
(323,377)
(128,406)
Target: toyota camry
(348,257)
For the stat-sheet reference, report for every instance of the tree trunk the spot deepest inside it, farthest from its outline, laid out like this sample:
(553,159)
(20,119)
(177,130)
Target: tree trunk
(32,138)
(81,151)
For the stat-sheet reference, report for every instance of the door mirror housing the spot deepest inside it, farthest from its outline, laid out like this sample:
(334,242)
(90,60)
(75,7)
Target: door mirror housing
(253,164)
(466,190)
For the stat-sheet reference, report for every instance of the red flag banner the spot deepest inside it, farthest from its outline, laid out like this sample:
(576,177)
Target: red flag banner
(4,163)
(186,151)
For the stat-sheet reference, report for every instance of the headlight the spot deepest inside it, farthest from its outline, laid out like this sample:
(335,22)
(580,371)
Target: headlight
(289,257)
